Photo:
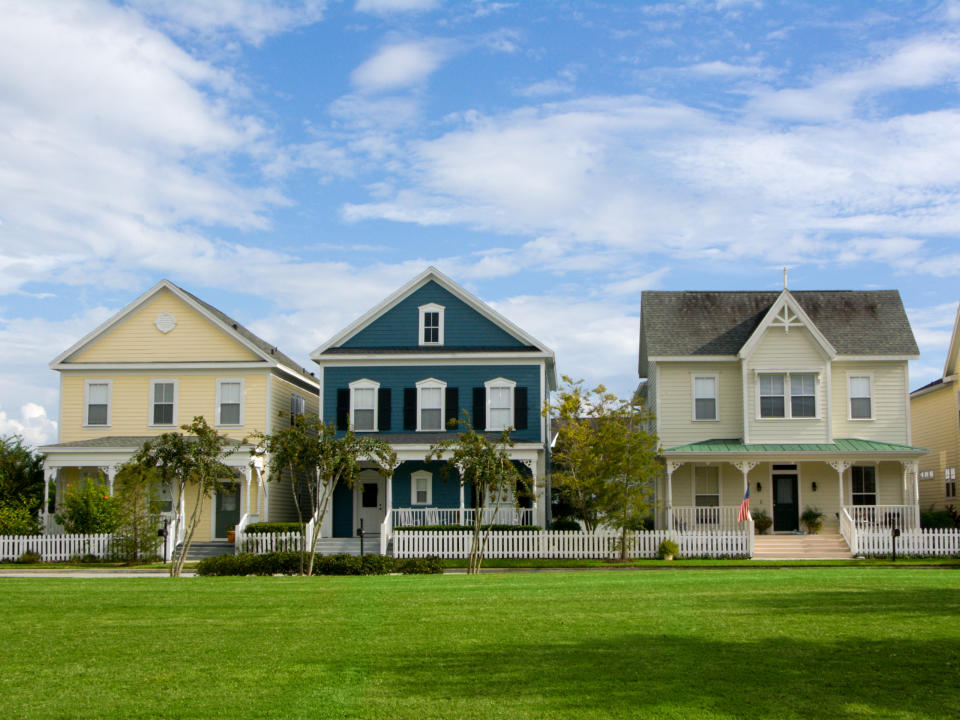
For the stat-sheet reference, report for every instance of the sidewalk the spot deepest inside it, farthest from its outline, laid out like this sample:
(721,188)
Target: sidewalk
(90,573)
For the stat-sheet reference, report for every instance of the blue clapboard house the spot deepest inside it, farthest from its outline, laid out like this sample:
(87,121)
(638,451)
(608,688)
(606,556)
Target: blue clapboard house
(427,354)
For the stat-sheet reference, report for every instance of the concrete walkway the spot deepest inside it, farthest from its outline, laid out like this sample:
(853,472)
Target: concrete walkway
(89,573)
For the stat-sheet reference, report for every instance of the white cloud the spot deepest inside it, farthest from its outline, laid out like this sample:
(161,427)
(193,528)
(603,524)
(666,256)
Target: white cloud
(400,65)
(388,7)
(33,425)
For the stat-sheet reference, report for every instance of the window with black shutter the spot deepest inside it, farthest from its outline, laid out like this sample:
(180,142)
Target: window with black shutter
(343,408)
(453,407)
(520,408)
(384,408)
(410,408)
(479,418)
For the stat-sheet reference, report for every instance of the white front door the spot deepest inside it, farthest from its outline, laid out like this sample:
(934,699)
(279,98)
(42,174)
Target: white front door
(370,501)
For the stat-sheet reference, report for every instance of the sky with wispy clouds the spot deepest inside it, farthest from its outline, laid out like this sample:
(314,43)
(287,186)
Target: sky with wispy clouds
(293,162)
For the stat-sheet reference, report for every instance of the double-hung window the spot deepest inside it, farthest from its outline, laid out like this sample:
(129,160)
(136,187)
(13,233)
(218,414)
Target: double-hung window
(861,397)
(97,402)
(499,403)
(803,396)
(163,402)
(705,397)
(950,482)
(363,405)
(863,481)
(430,404)
(706,486)
(421,488)
(230,402)
(298,406)
(772,403)
(431,324)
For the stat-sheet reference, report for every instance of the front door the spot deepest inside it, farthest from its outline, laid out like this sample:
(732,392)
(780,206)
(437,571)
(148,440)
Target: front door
(785,505)
(371,502)
(228,510)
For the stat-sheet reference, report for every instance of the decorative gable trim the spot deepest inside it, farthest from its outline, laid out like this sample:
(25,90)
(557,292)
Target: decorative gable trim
(954,349)
(786,313)
(431,273)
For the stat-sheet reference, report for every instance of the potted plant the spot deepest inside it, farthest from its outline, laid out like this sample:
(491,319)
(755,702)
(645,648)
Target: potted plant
(812,519)
(231,534)
(668,550)
(762,522)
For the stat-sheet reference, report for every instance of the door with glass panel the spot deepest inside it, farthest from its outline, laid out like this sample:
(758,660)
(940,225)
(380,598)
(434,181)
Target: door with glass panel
(371,501)
(785,498)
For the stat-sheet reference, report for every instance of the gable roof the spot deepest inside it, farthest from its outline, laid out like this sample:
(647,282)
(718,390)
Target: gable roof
(270,354)
(854,322)
(954,348)
(528,343)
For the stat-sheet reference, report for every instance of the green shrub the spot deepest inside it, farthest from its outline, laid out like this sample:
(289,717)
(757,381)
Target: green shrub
(419,566)
(936,519)
(469,528)
(812,519)
(88,508)
(567,524)
(288,563)
(761,521)
(668,547)
(273,527)
(17,519)
(29,558)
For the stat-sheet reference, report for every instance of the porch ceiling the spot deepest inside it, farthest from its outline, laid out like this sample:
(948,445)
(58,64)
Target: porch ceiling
(840,447)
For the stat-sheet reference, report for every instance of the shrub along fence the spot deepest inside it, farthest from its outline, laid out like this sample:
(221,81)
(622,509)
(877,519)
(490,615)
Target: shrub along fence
(260,543)
(55,548)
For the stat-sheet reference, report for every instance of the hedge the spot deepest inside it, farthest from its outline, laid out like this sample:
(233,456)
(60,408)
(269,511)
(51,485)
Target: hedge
(288,563)
(468,528)
(273,527)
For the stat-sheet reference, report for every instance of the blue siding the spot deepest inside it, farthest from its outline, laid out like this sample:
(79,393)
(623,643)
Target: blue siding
(463,326)
(446,488)
(463,377)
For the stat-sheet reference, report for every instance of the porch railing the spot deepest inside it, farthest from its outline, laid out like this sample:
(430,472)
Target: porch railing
(875,517)
(693,519)
(405,517)
(848,530)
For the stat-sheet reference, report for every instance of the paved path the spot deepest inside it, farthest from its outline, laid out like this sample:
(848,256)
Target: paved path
(88,573)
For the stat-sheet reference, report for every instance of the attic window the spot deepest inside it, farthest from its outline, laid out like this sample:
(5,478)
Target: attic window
(431,324)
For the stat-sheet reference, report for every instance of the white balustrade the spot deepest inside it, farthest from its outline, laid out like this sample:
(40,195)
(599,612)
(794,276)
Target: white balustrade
(693,519)
(877,517)
(412,517)
(848,529)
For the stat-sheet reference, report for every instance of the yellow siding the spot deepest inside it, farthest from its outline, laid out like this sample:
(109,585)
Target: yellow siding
(780,351)
(130,406)
(890,399)
(675,411)
(136,338)
(935,427)
(281,507)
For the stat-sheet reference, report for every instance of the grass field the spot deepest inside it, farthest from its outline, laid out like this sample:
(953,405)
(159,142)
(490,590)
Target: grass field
(791,643)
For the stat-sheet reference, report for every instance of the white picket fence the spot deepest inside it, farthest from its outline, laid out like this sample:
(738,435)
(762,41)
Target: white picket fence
(935,542)
(569,544)
(263,543)
(54,548)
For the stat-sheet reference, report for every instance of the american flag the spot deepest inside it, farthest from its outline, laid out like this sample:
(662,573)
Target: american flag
(745,506)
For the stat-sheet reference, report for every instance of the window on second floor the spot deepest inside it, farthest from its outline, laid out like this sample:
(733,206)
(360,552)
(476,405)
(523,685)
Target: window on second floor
(803,395)
(706,480)
(163,402)
(787,395)
(950,482)
(298,406)
(430,404)
(705,397)
(499,394)
(230,402)
(861,397)
(97,402)
(863,483)
(772,403)
(363,405)
(431,324)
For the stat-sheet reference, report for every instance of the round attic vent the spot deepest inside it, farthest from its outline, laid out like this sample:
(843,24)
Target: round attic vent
(165,322)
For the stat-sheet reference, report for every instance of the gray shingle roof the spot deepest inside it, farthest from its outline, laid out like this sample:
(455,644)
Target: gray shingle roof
(426,350)
(115,442)
(855,322)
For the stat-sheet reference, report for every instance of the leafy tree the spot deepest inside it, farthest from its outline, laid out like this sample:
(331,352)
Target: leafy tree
(310,455)
(88,508)
(18,519)
(21,475)
(135,489)
(488,469)
(605,459)
(196,460)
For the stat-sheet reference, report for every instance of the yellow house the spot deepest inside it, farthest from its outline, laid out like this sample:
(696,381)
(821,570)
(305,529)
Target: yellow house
(162,360)
(935,420)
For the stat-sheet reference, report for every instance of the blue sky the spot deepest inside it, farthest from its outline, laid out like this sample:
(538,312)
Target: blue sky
(294,162)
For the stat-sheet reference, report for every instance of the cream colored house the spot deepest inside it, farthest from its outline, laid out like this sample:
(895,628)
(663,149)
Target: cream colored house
(164,359)
(800,396)
(935,419)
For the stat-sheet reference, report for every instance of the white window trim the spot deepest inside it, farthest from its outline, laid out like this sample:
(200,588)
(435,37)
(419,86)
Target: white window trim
(366,384)
(950,478)
(693,396)
(499,383)
(876,480)
(869,376)
(423,310)
(788,395)
(432,383)
(420,475)
(86,401)
(303,401)
(176,392)
(243,394)
(693,482)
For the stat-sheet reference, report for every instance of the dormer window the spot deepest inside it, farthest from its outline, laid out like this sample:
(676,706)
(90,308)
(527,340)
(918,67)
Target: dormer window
(431,324)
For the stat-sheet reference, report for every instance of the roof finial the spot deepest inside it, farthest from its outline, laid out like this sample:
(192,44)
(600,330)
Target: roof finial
(784,277)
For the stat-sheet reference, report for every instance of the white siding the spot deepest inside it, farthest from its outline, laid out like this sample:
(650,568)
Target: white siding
(890,397)
(675,418)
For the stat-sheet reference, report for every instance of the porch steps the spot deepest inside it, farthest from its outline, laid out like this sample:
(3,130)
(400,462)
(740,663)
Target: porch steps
(200,550)
(349,546)
(800,547)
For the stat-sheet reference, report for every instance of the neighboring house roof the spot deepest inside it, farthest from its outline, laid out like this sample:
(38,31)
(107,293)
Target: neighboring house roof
(268,353)
(854,322)
(839,446)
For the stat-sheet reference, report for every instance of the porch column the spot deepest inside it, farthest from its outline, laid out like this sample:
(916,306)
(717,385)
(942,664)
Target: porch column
(745,466)
(841,467)
(389,498)
(672,465)
(49,475)
(532,464)
(111,473)
(248,476)
(257,464)
(915,471)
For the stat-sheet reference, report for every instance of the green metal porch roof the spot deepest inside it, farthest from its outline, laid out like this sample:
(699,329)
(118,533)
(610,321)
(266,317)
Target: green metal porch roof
(838,446)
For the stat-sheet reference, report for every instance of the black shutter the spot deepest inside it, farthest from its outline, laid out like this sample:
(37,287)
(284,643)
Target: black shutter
(453,407)
(409,408)
(343,408)
(479,408)
(384,406)
(519,408)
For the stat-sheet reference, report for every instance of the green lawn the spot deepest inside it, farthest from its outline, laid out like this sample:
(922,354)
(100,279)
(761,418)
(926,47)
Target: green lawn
(795,643)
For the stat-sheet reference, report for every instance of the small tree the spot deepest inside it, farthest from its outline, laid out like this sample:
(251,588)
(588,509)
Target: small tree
(311,455)
(88,508)
(605,459)
(21,476)
(18,519)
(194,460)
(136,488)
(488,469)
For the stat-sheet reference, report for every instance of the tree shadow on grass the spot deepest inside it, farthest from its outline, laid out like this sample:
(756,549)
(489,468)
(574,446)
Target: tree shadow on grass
(925,601)
(651,675)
